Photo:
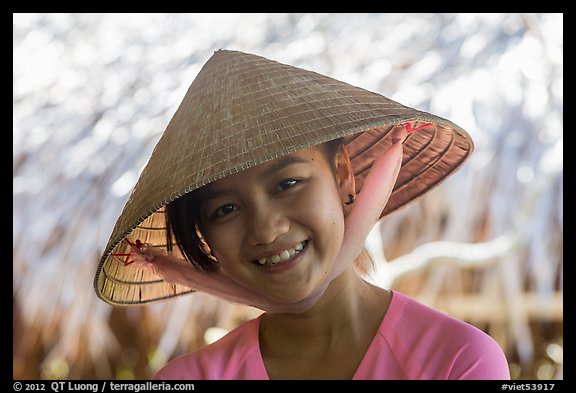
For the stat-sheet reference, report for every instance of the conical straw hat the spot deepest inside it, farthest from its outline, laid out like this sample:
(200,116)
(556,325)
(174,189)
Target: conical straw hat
(242,110)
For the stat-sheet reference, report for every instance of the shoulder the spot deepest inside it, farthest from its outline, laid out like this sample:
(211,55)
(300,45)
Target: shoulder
(450,348)
(219,360)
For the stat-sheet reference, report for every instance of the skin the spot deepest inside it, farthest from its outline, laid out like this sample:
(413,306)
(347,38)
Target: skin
(329,340)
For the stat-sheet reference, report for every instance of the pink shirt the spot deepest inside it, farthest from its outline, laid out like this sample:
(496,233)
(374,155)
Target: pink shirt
(413,342)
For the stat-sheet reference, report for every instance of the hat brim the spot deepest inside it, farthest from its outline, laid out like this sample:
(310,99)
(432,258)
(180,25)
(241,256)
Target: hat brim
(238,113)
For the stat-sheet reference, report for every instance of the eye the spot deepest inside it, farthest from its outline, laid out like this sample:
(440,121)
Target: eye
(286,184)
(224,210)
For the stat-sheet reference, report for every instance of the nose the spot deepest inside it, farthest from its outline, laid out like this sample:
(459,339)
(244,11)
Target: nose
(266,224)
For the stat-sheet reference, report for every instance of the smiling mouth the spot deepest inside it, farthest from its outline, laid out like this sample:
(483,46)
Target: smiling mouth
(283,256)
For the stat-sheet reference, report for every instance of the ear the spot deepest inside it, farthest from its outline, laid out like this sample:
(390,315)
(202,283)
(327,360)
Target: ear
(344,175)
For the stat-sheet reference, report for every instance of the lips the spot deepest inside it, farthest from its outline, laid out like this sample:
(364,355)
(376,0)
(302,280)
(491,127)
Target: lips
(283,256)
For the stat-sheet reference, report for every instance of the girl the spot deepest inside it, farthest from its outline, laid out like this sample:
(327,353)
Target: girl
(262,190)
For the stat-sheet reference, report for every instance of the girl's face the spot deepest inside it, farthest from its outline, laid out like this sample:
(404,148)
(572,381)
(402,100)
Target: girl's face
(277,228)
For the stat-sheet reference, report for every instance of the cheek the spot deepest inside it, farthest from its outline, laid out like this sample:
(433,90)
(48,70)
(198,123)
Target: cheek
(325,214)
(222,242)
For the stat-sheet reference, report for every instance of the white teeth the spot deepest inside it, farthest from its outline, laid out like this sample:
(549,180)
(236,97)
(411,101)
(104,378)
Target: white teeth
(283,256)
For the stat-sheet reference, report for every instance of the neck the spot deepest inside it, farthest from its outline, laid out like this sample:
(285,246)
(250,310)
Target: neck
(350,308)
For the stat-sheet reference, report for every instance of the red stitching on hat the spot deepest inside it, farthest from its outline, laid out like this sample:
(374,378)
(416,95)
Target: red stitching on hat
(410,130)
(138,244)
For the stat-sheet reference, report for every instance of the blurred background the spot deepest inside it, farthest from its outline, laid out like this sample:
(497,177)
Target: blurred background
(92,93)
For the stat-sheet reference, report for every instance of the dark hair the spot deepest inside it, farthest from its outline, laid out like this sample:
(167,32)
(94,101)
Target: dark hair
(183,219)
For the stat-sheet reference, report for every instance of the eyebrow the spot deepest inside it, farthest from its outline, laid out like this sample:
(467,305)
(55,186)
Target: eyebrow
(280,164)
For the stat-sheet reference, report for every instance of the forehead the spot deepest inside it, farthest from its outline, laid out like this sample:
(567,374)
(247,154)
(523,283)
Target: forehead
(313,157)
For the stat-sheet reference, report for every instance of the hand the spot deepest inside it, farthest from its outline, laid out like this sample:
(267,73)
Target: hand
(143,257)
